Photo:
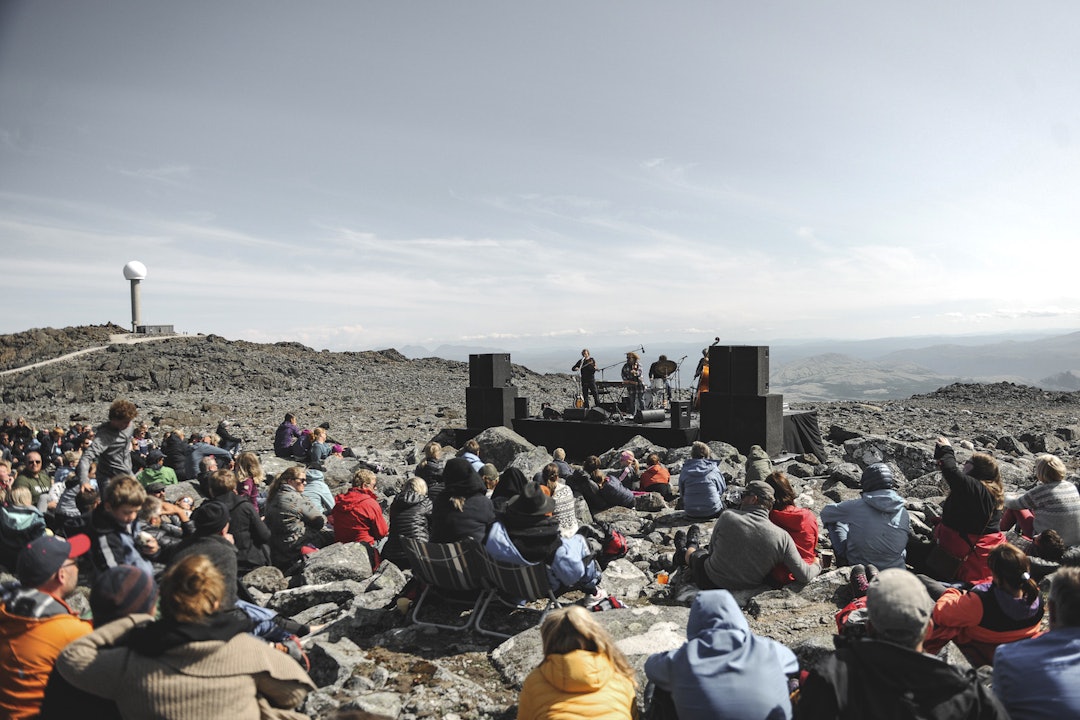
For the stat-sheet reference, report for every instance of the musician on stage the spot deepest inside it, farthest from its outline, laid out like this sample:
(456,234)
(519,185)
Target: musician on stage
(587,366)
(662,369)
(635,386)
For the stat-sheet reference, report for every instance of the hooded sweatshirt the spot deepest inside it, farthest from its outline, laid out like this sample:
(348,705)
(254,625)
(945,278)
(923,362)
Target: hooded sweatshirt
(702,487)
(724,670)
(358,517)
(579,684)
(875,525)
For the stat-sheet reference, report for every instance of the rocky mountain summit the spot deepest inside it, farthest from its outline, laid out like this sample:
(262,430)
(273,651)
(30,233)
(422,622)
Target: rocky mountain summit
(368,657)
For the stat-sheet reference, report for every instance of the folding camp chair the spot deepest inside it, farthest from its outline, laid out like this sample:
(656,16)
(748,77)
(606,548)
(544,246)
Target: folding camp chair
(448,569)
(516,582)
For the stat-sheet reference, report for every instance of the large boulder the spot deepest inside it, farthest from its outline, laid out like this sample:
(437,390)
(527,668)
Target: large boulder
(500,445)
(623,579)
(340,561)
(531,461)
(294,600)
(912,459)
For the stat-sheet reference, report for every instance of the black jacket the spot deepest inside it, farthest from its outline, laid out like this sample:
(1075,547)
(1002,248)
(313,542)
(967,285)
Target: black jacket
(176,455)
(220,551)
(409,517)
(448,524)
(867,678)
(250,534)
(969,508)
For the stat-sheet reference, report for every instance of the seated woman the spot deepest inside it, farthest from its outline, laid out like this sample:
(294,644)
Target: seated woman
(563,496)
(583,484)
(970,515)
(320,448)
(317,491)
(357,515)
(192,663)
(430,469)
(463,509)
(1006,609)
(294,522)
(250,477)
(800,523)
(1050,505)
(612,492)
(410,513)
(656,478)
(629,470)
(701,484)
(529,533)
(583,673)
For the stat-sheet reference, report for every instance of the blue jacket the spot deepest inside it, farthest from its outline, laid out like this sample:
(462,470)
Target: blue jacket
(870,529)
(615,494)
(1040,678)
(724,670)
(702,487)
(569,567)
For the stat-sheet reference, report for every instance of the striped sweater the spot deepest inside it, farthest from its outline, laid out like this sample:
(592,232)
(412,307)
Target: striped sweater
(1056,507)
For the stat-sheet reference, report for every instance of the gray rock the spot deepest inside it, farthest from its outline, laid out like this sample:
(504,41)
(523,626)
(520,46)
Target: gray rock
(340,561)
(649,502)
(333,662)
(294,600)
(378,704)
(267,579)
(531,461)
(625,520)
(389,577)
(500,445)
(622,579)
(186,488)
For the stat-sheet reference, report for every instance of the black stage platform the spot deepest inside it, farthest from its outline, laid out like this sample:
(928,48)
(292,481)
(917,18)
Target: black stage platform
(581,439)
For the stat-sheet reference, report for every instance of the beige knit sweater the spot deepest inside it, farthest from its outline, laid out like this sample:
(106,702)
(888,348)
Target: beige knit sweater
(196,681)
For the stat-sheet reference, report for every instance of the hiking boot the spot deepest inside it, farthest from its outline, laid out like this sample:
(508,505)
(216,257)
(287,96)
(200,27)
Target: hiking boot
(859,582)
(693,537)
(290,626)
(871,573)
(680,548)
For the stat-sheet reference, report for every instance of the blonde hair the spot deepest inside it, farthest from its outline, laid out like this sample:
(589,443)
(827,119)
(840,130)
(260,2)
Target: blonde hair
(432,450)
(192,590)
(318,434)
(574,628)
(124,490)
(250,467)
(222,482)
(416,485)
(363,478)
(22,497)
(1049,469)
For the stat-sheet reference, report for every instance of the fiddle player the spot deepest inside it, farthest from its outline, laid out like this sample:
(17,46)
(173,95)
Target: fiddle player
(587,366)
(631,376)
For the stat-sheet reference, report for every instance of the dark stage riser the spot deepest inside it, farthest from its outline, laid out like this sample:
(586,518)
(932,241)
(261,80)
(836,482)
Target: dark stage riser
(581,439)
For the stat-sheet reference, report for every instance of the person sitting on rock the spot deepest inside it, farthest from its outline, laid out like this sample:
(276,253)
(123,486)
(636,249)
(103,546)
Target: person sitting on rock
(115,529)
(463,509)
(1050,505)
(317,491)
(724,671)
(800,523)
(745,546)
(410,515)
(583,673)
(1039,679)
(887,675)
(758,464)
(978,620)
(358,517)
(20,523)
(656,478)
(701,484)
(471,452)
(563,496)
(250,477)
(286,437)
(156,470)
(294,522)
(873,528)
(629,470)
(146,665)
(558,456)
(970,516)
(430,469)
(584,484)
(251,536)
(320,448)
(612,492)
(34,478)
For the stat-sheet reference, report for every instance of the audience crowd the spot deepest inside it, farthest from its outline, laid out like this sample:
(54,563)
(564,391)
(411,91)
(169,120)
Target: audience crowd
(173,633)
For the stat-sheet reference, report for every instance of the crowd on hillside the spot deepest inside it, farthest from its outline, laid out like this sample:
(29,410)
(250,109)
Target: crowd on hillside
(173,632)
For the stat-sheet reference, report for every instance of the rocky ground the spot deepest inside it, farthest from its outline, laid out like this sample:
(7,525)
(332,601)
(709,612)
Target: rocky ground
(368,657)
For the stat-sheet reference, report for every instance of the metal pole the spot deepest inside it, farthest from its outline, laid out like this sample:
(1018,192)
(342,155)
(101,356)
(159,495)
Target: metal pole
(136,306)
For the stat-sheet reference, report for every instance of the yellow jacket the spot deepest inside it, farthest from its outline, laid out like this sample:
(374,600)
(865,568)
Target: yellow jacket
(579,685)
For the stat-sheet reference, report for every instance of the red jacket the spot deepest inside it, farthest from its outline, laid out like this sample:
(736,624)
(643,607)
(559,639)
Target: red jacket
(357,517)
(975,569)
(654,475)
(802,525)
(976,617)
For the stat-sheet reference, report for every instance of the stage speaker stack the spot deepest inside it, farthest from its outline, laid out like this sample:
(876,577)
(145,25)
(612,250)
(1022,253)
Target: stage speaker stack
(680,414)
(738,408)
(648,416)
(489,401)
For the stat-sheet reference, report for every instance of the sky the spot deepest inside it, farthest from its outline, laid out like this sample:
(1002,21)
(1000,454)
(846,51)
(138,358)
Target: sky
(358,175)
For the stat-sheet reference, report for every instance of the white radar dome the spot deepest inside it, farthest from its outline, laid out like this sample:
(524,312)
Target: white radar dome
(134,270)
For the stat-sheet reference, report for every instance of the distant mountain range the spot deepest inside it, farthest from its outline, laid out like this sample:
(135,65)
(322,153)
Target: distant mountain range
(825,370)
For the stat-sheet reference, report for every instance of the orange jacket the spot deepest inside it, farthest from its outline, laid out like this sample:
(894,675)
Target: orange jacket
(975,616)
(654,475)
(29,647)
